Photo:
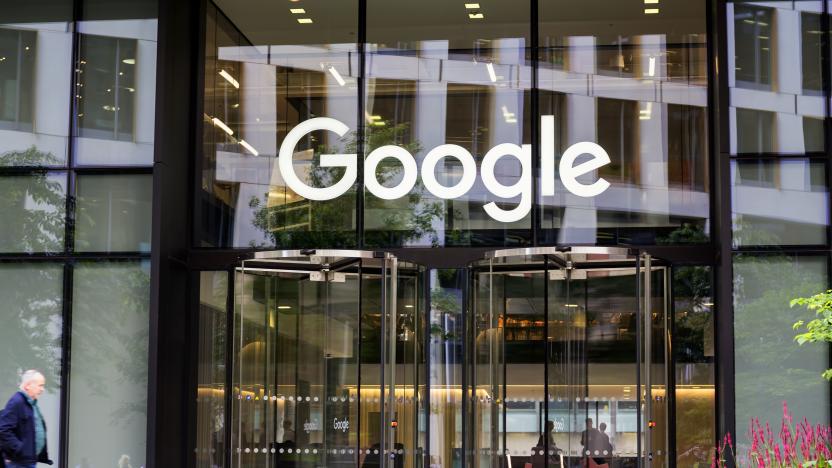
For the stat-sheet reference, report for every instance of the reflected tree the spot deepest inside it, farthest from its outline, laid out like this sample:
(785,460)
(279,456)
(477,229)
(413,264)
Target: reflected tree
(331,223)
(36,202)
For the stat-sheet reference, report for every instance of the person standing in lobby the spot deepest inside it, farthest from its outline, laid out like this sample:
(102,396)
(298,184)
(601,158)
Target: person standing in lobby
(22,428)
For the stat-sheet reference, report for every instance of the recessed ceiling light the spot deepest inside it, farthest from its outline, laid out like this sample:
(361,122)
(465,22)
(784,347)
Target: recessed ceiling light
(472,6)
(334,72)
(651,11)
(219,123)
(305,20)
(130,61)
(476,16)
(284,307)
(491,73)
(651,2)
(230,79)
(298,11)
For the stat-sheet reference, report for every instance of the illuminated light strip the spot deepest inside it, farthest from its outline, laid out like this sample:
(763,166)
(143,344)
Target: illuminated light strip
(305,20)
(651,2)
(476,16)
(250,149)
(651,69)
(219,123)
(651,11)
(472,6)
(334,72)
(299,11)
(230,79)
(491,73)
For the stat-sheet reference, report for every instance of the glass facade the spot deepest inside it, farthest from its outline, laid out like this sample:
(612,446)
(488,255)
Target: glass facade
(446,85)
(565,231)
(77,95)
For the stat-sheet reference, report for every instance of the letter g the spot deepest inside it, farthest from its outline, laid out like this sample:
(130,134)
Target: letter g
(348,161)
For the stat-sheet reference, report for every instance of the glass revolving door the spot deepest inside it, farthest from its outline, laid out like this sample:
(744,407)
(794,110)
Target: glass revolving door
(569,361)
(326,355)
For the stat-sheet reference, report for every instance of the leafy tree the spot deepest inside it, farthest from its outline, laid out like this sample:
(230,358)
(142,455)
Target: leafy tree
(818,329)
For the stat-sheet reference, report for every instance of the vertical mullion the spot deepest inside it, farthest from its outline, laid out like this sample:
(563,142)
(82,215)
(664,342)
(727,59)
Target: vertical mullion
(229,363)
(826,83)
(535,123)
(66,339)
(360,122)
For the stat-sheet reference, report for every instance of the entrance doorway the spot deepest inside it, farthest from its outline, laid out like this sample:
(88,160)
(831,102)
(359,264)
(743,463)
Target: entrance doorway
(570,358)
(562,359)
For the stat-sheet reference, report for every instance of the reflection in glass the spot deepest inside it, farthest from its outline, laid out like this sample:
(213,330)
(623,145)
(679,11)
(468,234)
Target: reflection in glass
(779,202)
(31,314)
(35,73)
(328,372)
(770,366)
(34,207)
(438,73)
(109,364)
(693,349)
(775,76)
(555,364)
(445,364)
(211,370)
(113,213)
(634,81)
(115,84)
(261,80)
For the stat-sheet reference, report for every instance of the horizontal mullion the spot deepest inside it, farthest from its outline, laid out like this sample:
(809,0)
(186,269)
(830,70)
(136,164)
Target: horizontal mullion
(113,170)
(65,257)
(812,155)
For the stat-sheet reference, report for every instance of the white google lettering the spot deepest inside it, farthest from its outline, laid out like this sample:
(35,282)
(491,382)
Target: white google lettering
(343,425)
(569,171)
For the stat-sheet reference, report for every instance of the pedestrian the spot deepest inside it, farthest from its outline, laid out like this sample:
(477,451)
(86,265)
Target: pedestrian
(22,428)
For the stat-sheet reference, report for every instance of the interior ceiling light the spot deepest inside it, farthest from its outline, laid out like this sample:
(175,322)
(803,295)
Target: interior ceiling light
(472,6)
(219,123)
(476,16)
(230,79)
(284,307)
(651,2)
(297,11)
(250,148)
(129,61)
(335,74)
(305,20)
(651,11)
(491,73)
(651,69)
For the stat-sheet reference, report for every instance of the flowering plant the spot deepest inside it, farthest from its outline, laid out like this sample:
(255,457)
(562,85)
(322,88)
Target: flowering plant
(801,445)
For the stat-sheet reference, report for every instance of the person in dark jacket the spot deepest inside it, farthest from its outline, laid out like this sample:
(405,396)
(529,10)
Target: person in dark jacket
(22,428)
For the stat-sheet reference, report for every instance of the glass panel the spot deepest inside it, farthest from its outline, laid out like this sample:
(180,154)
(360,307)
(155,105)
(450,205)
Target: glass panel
(263,78)
(37,204)
(781,202)
(115,79)
(35,73)
(296,371)
(31,313)
(113,213)
(109,364)
(774,75)
(570,384)
(770,366)
(211,428)
(445,362)
(600,72)
(693,349)
(440,73)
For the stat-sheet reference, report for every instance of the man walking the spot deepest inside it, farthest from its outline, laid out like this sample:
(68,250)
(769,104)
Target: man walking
(22,428)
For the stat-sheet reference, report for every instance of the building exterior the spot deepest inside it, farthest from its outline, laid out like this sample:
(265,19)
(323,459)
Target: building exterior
(537,214)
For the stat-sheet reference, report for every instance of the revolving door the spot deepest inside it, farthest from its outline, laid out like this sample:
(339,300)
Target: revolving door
(326,359)
(569,358)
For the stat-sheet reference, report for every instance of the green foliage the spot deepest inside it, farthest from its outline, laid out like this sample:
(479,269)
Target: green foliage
(331,223)
(818,329)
